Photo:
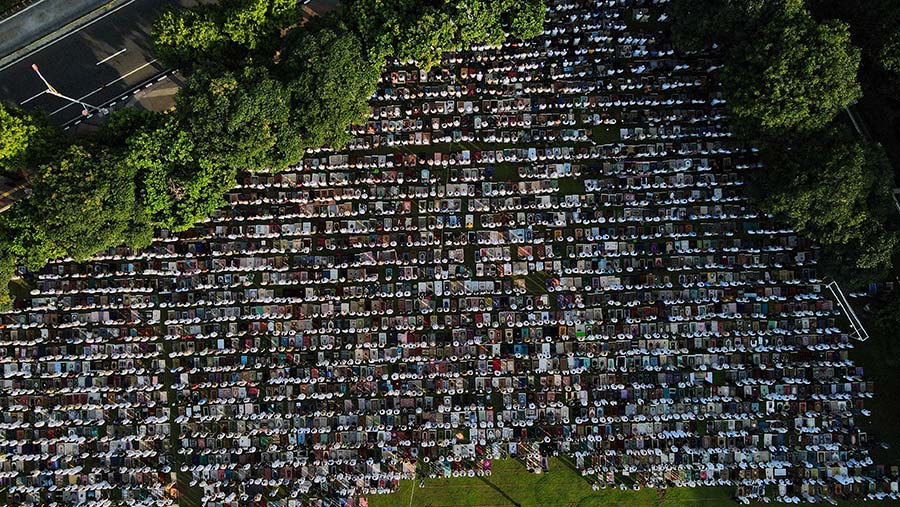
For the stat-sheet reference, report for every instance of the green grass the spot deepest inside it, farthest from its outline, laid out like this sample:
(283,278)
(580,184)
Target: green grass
(510,485)
(879,359)
(605,134)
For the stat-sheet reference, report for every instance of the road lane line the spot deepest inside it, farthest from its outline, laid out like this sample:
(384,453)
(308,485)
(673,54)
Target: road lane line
(110,57)
(123,76)
(29,99)
(54,41)
(123,97)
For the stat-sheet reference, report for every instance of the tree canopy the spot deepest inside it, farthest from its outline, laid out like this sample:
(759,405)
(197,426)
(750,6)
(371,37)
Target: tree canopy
(86,201)
(794,74)
(177,184)
(784,70)
(330,82)
(15,134)
(786,78)
(422,31)
(240,119)
(223,32)
(835,189)
(527,19)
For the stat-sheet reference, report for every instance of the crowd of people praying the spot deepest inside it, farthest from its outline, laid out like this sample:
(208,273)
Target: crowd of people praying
(540,249)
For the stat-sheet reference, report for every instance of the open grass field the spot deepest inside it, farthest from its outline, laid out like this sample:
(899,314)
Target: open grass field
(510,485)
(880,359)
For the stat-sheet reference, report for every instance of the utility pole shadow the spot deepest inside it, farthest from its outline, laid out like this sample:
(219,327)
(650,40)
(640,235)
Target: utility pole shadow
(498,490)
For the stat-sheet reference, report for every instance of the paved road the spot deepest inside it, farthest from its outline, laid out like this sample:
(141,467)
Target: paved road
(96,63)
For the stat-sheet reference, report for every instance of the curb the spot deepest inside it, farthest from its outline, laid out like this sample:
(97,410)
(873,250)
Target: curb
(18,54)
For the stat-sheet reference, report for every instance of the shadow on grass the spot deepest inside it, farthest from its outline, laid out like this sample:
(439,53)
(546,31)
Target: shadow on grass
(498,490)
(567,461)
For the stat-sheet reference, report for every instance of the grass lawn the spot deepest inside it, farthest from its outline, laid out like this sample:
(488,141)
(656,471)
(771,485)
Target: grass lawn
(605,134)
(511,485)
(879,359)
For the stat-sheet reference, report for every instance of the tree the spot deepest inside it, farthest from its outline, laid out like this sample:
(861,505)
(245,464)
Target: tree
(123,123)
(177,185)
(330,84)
(427,38)
(478,23)
(527,19)
(700,24)
(81,204)
(836,191)
(794,74)
(224,32)
(422,31)
(7,271)
(241,119)
(181,37)
(380,24)
(16,132)
(890,53)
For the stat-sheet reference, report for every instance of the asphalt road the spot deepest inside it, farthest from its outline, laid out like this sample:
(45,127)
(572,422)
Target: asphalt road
(96,64)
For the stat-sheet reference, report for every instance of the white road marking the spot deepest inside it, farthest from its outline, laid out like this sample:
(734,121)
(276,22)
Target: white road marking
(110,57)
(123,76)
(54,41)
(29,99)
(121,98)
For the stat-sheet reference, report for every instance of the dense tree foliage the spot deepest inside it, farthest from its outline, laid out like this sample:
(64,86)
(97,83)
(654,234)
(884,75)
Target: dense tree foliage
(875,25)
(421,31)
(332,84)
(80,204)
(889,54)
(86,201)
(787,76)
(15,133)
(26,140)
(427,38)
(783,69)
(223,31)
(796,74)
(835,189)
(240,119)
(699,24)
(177,184)
(527,19)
